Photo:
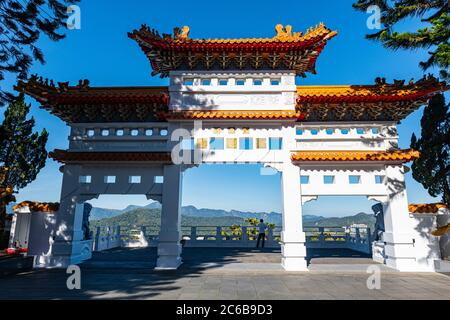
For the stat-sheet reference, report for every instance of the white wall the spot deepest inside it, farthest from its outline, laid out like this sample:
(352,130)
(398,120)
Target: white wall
(41,233)
(248,96)
(20,230)
(341,186)
(346,136)
(426,246)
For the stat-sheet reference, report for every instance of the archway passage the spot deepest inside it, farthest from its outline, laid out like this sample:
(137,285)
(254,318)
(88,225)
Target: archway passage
(339,230)
(117,225)
(216,228)
(222,205)
(211,232)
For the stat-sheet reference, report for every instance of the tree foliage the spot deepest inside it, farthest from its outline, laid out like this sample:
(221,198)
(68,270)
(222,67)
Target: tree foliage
(434,37)
(432,169)
(252,230)
(6,197)
(22,22)
(22,151)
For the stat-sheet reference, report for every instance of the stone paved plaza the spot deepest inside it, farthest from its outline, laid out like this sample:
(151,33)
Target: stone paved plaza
(225,274)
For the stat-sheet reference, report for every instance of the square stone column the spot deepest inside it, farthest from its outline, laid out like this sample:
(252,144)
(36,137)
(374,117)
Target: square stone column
(169,247)
(399,232)
(293,249)
(67,245)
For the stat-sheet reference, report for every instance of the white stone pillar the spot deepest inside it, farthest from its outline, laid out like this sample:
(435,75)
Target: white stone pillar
(293,249)
(399,235)
(68,245)
(169,246)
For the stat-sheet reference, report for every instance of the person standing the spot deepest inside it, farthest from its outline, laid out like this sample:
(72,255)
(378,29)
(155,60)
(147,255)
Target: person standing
(262,233)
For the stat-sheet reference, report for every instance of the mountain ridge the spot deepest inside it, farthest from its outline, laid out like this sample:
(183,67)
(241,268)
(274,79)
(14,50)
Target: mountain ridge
(192,216)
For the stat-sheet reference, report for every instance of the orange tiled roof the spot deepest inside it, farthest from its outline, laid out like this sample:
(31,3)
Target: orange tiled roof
(85,104)
(427,207)
(64,156)
(441,231)
(380,92)
(233,115)
(45,91)
(397,156)
(379,102)
(286,50)
(38,206)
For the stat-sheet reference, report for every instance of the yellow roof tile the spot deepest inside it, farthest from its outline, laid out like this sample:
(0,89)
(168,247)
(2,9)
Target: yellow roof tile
(38,206)
(397,155)
(427,207)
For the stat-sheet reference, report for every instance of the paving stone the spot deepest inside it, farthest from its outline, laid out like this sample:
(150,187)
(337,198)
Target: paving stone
(104,278)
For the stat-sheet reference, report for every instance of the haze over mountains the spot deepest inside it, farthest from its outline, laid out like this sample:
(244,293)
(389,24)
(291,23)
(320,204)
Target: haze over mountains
(191,214)
(102,213)
(191,211)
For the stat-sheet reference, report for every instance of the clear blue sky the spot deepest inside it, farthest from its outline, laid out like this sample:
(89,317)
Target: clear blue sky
(102,53)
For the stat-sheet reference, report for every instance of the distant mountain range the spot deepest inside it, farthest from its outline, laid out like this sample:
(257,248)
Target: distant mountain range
(191,211)
(194,216)
(151,218)
(102,213)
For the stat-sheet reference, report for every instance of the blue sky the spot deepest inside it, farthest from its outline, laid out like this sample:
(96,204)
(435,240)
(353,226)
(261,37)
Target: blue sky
(102,53)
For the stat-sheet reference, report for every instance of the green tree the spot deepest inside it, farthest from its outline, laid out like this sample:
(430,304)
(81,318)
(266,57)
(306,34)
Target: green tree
(6,196)
(432,169)
(21,25)
(22,151)
(434,37)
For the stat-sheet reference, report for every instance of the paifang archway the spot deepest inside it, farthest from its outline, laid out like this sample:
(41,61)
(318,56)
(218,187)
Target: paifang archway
(250,111)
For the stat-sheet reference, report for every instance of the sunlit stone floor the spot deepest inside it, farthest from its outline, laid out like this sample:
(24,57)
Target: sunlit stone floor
(225,274)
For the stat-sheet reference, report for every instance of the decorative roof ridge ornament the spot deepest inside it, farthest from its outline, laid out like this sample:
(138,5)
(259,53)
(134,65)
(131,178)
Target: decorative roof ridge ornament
(181,34)
(428,81)
(38,82)
(287,50)
(83,84)
(283,34)
(45,86)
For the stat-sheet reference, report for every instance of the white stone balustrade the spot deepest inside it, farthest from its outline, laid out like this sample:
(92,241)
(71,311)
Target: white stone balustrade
(107,238)
(357,239)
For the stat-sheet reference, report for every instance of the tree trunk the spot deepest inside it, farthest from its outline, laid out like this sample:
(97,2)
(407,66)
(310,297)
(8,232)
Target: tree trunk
(4,236)
(446,192)
(2,217)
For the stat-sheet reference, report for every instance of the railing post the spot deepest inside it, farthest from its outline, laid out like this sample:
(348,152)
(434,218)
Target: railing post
(357,235)
(244,236)
(270,236)
(369,241)
(97,238)
(193,233)
(108,237)
(321,236)
(219,234)
(118,237)
(348,237)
